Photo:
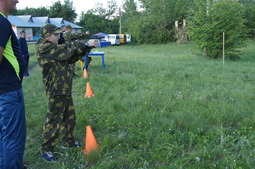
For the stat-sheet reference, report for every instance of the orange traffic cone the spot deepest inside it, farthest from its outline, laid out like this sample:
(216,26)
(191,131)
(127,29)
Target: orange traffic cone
(89,92)
(85,73)
(91,143)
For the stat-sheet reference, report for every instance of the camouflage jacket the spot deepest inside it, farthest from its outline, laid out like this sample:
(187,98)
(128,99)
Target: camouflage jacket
(54,60)
(69,37)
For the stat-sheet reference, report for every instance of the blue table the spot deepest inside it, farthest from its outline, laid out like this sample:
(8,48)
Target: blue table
(94,54)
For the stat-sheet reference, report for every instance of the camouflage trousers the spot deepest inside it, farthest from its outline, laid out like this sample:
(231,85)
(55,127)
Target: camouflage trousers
(60,117)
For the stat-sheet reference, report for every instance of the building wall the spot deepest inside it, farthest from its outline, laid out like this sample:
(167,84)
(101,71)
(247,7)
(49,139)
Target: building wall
(29,33)
(14,29)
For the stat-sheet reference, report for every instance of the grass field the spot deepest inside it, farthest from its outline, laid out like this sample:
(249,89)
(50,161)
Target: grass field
(155,107)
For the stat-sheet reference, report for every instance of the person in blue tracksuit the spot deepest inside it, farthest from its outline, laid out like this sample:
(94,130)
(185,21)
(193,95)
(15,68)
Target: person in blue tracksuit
(12,109)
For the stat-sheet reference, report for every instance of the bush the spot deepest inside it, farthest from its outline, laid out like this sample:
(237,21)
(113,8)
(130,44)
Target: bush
(208,21)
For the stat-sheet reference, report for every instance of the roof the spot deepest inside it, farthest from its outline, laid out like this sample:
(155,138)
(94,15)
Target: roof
(101,34)
(43,19)
(37,22)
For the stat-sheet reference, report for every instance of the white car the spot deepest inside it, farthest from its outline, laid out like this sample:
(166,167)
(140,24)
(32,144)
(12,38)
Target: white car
(114,39)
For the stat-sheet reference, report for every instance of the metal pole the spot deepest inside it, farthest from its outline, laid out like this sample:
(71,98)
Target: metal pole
(120,20)
(223,51)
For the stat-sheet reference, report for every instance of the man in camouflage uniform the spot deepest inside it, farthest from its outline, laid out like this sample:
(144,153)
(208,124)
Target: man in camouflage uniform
(70,37)
(54,59)
(88,58)
(61,35)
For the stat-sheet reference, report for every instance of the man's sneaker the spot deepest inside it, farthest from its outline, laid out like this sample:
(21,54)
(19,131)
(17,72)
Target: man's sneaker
(76,145)
(48,156)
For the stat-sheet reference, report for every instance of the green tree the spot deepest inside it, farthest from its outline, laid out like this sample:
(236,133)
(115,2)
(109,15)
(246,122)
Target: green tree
(91,22)
(249,16)
(210,19)
(100,19)
(130,18)
(158,21)
(107,13)
(154,24)
(35,12)
(96,23)
(66,11)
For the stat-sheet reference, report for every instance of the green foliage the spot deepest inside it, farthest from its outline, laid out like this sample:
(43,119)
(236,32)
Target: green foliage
(35,12)
(145,32)
(57,10)
(107,13)
(131,19)
(249,15)
(210,19)
(66,11)
(100,19)
(155,23)
(130,7)
(95,23)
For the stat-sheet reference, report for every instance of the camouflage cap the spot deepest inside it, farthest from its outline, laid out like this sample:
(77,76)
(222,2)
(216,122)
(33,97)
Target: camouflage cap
(48,29)
(69,27)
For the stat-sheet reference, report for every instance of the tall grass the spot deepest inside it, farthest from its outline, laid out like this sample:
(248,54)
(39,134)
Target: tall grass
(155,106)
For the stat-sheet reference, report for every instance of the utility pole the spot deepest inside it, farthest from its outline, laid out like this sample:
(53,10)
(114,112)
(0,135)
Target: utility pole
(207,8)
(120,20)
(223,50)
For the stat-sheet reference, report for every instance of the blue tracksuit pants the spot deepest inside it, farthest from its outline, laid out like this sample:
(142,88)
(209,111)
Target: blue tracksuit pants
(12,130)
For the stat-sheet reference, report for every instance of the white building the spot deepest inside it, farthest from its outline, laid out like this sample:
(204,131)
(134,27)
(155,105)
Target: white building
(31,25)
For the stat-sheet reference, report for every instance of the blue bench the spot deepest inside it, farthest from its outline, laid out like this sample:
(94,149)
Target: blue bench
(94,54)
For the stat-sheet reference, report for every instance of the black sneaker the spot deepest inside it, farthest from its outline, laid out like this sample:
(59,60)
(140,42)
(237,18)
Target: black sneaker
(76,145)
(48,157)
